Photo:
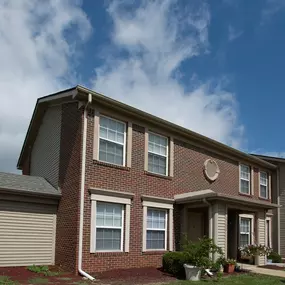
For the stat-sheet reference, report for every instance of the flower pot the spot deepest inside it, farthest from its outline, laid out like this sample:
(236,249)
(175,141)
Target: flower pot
(229,268)
(192,273)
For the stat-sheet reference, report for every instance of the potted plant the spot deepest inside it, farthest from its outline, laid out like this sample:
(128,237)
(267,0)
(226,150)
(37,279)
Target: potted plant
(254,250)
(198,256)
(229,266)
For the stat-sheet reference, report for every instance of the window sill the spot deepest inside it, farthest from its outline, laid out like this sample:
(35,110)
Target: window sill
(245,195)
(109,253)
(154,252)
(106,164)
(158,175)
(264,199)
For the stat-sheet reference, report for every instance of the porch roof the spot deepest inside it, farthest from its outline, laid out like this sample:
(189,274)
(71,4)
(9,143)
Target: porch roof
(209,195)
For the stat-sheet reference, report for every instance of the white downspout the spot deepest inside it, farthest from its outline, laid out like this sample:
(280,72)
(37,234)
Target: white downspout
(82,191)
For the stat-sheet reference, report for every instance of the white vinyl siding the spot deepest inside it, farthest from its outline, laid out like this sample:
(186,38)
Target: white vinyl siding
(109,227)
(263,185)
(245,179)
(157,154)
(46,149)
(245,232)
(112,141)
(27,233)
(222,226)
(156,231)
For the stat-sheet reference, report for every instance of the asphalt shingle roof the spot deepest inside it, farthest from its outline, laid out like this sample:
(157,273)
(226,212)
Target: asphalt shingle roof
(26,183)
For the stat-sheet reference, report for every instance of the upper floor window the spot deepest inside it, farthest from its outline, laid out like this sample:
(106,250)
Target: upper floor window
(157,154)
(112,141)
(244,179)
(263,185)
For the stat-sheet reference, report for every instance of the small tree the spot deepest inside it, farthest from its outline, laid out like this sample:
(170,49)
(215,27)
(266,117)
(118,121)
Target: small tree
(198,253)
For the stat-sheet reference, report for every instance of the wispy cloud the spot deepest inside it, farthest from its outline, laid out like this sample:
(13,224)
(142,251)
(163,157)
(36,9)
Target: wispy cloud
(233,33)
(155,38)
(35,60)
(272,7)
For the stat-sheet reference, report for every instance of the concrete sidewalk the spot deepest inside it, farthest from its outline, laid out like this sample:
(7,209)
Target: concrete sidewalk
(264,271)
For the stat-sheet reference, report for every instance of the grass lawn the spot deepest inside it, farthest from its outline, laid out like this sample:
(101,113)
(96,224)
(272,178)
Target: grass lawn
(244,279)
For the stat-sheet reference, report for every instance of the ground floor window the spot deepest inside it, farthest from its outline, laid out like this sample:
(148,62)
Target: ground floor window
(110,221)
(156,232)
(245,231)
(157,224)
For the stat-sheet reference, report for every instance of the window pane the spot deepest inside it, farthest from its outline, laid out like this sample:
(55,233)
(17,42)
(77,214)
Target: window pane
(155,239)
(156,164)
(156,219)
(245,225)
(244,186)
(244,239)
(112,130)
(263,191)
(111,152)
(108,239)
(245,172)
(263,178)
(108,214)
(157,144)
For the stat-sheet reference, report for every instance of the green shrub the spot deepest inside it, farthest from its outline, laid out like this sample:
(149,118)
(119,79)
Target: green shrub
(198,253)
(173,263)
(276,258)
(38,268)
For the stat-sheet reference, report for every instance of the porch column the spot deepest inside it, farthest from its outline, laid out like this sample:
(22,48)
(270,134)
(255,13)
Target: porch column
(220,227)
(260,234)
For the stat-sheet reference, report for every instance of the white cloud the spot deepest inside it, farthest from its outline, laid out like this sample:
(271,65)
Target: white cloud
(156,38)
(35,49)
(272,7)
(233,33)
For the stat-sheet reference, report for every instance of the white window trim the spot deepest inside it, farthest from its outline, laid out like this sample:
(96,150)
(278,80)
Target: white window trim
(168,207)
(260,184)
(109,227)
(251,234)
(165,230)
(249,180)
(124,144)
(166,156)
(125,233)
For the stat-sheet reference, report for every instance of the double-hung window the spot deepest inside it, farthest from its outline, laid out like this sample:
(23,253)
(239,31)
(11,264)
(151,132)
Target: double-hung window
(263,185)
(245,179)
(110,220)
(157,154)
(245,231)
(156,231)
(112,141)
(109,227)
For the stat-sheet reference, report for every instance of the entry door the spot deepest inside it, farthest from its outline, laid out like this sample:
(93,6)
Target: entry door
(195,226)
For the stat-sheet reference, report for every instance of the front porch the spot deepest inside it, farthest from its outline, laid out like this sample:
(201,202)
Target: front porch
(230,221)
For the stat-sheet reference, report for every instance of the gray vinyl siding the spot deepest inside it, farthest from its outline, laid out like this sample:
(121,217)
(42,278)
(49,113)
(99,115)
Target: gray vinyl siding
(282,209)
(222,227)
(45,153)
(261,233)
(27,233)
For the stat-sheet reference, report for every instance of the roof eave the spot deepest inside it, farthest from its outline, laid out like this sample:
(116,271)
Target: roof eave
(172,126)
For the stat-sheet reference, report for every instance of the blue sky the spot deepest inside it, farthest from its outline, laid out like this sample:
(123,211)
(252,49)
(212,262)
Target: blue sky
(216,67)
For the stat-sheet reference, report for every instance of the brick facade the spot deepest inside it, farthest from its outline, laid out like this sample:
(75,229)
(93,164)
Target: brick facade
(66,252)
(188,176)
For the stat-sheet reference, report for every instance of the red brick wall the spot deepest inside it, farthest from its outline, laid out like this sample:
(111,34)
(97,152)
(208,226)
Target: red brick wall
(69,183)
(188,176)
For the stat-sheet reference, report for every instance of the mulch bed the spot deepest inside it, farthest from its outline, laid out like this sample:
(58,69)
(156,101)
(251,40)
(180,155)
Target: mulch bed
(275,267)
(135,276)
(23,276)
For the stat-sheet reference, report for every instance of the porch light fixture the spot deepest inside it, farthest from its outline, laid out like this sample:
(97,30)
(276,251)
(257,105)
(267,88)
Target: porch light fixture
(211,169)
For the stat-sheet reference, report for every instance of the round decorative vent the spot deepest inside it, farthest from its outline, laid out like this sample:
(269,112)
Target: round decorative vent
(211,169)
